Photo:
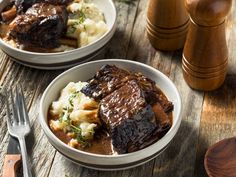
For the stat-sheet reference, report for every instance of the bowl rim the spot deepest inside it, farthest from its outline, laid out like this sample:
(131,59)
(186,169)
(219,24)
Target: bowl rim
(49,134)
(113,25)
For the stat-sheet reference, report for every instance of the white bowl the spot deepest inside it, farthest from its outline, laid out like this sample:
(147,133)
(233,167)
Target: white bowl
(48,59)
(109,162)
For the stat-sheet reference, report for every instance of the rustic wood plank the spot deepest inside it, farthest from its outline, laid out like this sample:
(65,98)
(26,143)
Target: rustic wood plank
(3,63)
(140,48)
(179,157)
(118,46)
(231,39)
(218,120)
(37,142)
(42,152)
(218,115)
(141,171)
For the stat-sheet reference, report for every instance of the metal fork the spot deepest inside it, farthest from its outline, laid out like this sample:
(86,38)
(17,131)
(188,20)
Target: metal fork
(18,124)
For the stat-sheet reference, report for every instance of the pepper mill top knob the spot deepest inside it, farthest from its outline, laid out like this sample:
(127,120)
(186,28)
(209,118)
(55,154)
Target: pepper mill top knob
(208,12)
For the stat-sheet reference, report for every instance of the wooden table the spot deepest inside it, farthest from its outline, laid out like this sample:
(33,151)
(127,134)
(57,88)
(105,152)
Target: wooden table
(207,117)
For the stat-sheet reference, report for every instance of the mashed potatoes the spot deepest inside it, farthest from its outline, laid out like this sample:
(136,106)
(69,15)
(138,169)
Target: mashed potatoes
(75,114)
(86,22)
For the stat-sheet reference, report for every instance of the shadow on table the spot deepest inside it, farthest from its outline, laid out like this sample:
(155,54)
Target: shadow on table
(180,158)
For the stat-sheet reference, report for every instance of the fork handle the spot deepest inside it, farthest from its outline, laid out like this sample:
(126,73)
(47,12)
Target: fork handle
(11,163)
(26,166)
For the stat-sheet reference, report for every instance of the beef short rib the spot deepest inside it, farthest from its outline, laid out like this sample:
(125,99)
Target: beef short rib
(110,78)
(105,81)
(128,117)
(42,25)
(133,110)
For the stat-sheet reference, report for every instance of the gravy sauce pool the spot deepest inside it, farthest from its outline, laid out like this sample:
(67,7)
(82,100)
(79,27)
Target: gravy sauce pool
(102,144)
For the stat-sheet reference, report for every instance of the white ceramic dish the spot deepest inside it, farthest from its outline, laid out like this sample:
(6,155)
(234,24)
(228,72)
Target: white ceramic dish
(109,162)
(106,6)
(62,65)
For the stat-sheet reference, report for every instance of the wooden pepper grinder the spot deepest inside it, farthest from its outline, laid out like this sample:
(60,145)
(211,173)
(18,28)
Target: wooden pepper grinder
(205,56)
(167,24)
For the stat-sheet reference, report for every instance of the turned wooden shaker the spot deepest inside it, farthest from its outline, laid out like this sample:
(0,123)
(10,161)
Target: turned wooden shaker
(167,24)
(205,55)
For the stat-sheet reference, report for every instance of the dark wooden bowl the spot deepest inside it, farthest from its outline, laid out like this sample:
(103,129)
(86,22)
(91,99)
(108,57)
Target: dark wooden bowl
(220,159)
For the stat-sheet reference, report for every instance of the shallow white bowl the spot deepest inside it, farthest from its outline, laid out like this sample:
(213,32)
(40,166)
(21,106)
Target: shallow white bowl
(109,162)
(109,10)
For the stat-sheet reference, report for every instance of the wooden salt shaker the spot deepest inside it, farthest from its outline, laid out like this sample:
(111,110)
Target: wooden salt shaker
(205,56)
(167,24)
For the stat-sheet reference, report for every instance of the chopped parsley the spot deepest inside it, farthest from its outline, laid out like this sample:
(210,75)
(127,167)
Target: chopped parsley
(77,130)
(81,17)
(72,96)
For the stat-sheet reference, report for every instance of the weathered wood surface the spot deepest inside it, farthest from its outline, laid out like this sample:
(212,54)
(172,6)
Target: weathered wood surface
(218,119)
(207,117)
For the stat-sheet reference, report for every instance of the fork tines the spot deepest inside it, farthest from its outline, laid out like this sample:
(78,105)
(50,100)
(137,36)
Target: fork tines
(16,105)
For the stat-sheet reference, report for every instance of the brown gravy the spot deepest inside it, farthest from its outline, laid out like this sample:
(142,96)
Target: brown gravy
(102,144)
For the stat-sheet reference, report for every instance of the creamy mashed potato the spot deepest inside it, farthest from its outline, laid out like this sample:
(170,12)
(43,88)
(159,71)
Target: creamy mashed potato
(75,114)
(86,22)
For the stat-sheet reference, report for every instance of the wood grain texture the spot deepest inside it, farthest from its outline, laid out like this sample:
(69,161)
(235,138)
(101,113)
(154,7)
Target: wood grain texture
(205,56)
(208,12)
(184,156)
(220,159)
(231,39)
(41,152)
(179,157)
(118,46)
(3,63)
(167,24)
(11,164)
(218,120)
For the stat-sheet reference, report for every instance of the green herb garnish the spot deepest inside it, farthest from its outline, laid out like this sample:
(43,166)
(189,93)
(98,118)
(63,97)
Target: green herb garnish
(72,96)
(77,130)
(81,17)
(61,117)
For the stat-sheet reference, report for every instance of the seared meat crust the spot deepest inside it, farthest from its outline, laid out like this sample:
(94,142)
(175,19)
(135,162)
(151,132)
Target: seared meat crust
(105,81)
(128,117)
(42,25)
(110,78)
